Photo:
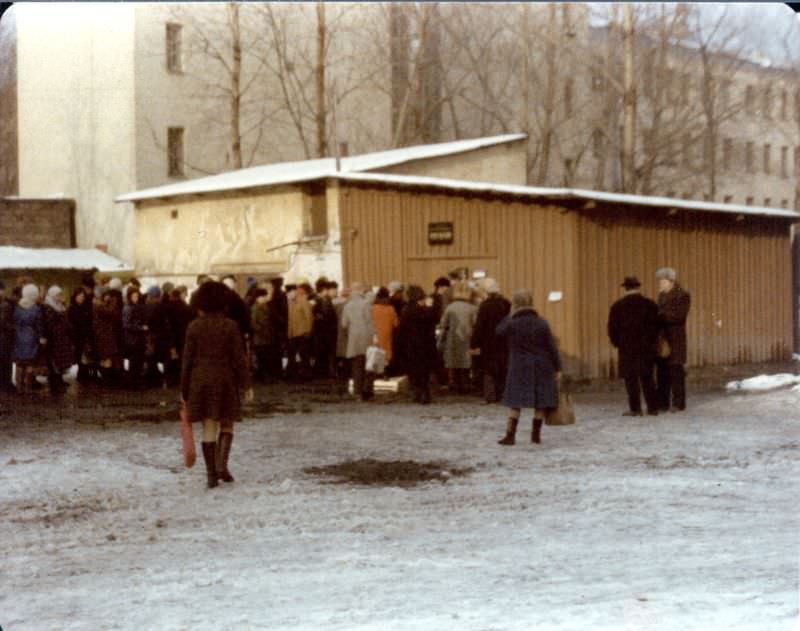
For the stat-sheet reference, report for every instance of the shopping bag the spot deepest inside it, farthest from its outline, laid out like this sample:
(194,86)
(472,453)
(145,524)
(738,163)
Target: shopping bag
(564,414)
(189,452)
(376,359)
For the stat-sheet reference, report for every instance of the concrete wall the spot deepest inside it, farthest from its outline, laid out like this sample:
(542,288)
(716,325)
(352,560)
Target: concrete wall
(502,164)
(76,118)
(37,223)
(9,149)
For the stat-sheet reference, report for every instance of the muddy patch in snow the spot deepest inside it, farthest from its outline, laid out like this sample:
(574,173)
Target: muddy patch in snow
(405,473)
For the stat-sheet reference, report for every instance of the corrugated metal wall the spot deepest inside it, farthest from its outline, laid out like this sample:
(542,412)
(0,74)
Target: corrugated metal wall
(739,273)
(384,237)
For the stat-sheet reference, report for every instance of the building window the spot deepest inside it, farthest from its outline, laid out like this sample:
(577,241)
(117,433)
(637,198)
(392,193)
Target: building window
(174,61)
(796,159)
(315,220)
(727,153)
(767,158)
(687,196)
(597,143)
(749,100)
(784,162)
(767,202)
(748,157)
(749,200)
(784,104)
(175,151)
(767,102)
(797,105)
(568,88)
(728,199)
(687,151)
(784,203)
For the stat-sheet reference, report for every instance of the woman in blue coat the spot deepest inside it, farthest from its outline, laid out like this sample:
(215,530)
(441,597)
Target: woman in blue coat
(534,365)
(28,335)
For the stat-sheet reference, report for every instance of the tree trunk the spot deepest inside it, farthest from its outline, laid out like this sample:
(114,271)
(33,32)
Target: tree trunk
(550,97)
(236,94)
(322,134)
(629,106)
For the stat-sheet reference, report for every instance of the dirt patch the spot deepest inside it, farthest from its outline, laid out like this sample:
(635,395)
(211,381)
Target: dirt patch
(405,473)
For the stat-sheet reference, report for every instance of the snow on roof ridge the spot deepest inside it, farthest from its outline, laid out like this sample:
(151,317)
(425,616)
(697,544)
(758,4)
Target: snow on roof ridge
(16,257)
(303,170)
(574,193)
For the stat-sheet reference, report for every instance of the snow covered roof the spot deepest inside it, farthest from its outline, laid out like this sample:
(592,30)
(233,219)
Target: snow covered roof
(13,257)
(567,194)
(305,170)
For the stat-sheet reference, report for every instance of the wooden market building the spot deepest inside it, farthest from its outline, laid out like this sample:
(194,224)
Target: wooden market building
(415,220)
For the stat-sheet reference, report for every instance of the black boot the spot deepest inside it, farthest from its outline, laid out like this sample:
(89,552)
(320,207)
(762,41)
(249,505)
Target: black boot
(536,434)
(511,432)
(210,456)
(223,452)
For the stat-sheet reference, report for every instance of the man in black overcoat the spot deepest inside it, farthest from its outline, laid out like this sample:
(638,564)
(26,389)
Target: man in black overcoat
(6,340)
(492,349)
(633,326)
(673,309)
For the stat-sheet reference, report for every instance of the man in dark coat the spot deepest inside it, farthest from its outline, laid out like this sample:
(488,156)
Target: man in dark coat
(673,309)
(278,313)
(487,345)
(325,332)
(442,295)
(633,330)
(6,341)
(418,337)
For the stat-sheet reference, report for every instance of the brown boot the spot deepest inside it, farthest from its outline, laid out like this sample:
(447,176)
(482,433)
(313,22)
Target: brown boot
(223,452)
(536,434)
(511,432)
(210,456)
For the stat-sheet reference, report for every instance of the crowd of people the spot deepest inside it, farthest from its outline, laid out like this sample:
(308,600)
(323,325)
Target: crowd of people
(122,335)
(465,336)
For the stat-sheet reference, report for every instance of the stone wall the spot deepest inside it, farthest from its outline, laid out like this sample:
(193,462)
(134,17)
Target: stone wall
(37,223)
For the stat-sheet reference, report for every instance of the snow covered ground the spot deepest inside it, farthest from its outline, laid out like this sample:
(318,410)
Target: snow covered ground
(681,522)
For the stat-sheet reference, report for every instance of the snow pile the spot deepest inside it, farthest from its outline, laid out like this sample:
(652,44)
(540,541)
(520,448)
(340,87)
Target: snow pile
(763,383)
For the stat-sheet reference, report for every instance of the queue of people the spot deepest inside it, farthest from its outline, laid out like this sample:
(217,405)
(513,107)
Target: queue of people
(464,336)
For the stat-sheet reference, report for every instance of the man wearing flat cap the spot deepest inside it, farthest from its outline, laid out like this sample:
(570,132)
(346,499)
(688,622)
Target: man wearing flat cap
(633,329)
(673,308)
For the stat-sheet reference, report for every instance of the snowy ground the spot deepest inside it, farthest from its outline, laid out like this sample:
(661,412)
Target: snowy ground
(685,521)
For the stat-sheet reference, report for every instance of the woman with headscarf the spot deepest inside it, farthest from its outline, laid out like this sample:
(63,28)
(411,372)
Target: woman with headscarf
(60,353)
(214,372)
(80,324)
(457,325)
(106,335)
(134,333)
(28,336)
(534,365)
(385,322)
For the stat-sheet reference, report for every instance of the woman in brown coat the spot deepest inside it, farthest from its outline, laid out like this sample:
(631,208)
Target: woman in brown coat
(214,372)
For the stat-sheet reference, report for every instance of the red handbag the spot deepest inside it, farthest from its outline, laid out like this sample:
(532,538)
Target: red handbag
(189,452)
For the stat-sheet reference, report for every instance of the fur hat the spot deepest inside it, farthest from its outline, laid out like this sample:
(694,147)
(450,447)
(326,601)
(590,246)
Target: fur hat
(631,282)
(415,293)
(667,273)
(394,287)
(154,291)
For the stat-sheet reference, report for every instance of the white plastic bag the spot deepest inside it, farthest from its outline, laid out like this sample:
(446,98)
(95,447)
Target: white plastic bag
(376,359)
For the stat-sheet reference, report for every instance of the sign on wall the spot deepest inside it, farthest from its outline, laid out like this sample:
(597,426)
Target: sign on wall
(440,233)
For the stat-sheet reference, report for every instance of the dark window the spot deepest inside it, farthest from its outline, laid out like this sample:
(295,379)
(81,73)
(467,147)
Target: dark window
(315,223)
(767,158)
(784,203)
(750,99)
(767,202)
(749,200)
(784,104)
(597,143)
(784,162)
(727,154)
(767,103)
(175,151)
(174,61)
(568,88)
(749,157)
(728,199)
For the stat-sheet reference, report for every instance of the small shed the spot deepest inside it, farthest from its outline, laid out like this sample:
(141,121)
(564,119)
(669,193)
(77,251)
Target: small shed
(64,267)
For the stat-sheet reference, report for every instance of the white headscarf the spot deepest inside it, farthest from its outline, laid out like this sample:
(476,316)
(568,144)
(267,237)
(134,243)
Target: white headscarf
(30,294)
(52,298)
